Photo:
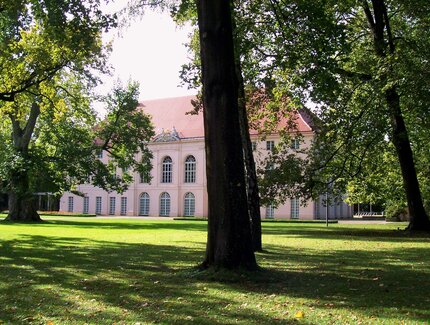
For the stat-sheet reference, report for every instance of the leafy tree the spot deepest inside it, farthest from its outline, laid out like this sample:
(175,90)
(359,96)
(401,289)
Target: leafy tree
(363,64)
(229,234)
(48,52)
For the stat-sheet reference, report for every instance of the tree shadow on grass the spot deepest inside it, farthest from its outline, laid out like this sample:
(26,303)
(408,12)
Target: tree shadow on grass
(353,232)
(79,280)
(113,224)
(75,280)
(366,281)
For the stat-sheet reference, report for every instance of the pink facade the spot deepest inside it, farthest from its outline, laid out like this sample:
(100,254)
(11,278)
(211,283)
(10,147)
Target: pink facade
(178,184)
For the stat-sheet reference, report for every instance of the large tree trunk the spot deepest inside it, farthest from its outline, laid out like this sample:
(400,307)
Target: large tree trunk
(418,217)
(21,202)
(251,174)
(22,205)
(229,242)
(379,23)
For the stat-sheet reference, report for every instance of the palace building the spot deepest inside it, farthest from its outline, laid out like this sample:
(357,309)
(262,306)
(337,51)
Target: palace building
(178,184)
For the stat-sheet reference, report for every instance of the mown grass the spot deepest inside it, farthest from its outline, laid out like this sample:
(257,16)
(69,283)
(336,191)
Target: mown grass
(125,271)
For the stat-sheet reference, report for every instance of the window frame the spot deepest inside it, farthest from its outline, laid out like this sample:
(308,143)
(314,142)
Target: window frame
(123,207)
(295,208)
(112,205)
(86,205)
(165,202)
(98,209)
(144,204)
(189,204)
(270,212)
(70,204)
(190,168)
(167,170)
(295,144)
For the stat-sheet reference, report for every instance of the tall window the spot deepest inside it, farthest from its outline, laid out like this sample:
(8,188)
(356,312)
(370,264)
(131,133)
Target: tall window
(166,176)
(144,204)
(123,205)
(270,145)
(295,208)
(86,204)
(189,205)
(112,204)
(70,204)
(190,169)
(99,153)
(164,204)
(98,205)
(254,145)
(270,212)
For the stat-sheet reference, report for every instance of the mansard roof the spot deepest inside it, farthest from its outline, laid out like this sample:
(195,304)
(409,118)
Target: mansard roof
(170,118)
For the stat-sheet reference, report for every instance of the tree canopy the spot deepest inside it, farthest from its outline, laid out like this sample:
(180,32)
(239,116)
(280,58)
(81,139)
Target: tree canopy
(50,51)
(362,66)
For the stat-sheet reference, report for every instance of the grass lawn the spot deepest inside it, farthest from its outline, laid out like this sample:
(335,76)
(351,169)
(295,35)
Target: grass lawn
(124,271)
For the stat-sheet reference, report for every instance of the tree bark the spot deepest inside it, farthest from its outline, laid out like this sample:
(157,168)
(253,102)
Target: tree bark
(22,206)
(229,243)
(21,202)
(252,191)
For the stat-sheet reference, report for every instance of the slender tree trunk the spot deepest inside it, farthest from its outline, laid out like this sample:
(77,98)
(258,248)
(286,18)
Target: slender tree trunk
(418,217)
(251,174)
(21,202)
(379,24)
(252,191)
(229,242)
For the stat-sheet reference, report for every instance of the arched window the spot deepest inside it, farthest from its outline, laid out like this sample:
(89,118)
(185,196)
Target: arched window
(166,175)
(189,205)
(164,204)
(190,169)
(144,204)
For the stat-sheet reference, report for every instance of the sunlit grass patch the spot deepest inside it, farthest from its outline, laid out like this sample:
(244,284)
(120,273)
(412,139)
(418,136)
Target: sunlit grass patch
(105,271)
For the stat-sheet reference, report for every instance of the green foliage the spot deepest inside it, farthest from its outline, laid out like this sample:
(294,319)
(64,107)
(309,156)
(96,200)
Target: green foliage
(325,55)
(49,131)
(396,213)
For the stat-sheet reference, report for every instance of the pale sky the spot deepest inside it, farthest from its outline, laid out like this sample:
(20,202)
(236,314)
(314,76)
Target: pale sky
(150,51)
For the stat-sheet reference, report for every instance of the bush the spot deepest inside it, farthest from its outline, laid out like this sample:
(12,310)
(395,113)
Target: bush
(397,213)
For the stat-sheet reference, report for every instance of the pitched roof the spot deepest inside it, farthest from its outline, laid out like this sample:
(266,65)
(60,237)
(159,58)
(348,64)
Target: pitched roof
(171,114)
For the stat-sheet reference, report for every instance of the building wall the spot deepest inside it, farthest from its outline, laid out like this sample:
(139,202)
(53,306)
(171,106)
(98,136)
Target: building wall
(177,189)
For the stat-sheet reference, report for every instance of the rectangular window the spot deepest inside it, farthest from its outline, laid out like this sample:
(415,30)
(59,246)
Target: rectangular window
(123,206)
(99,153)
(295,144)
(270,145)
(254,145)
(270,212)
(98,205)
(70,204)
(295,208)
(112,205)
(86,205)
